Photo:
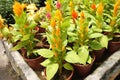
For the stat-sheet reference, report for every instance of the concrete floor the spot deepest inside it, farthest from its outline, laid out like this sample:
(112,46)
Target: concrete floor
(6,71)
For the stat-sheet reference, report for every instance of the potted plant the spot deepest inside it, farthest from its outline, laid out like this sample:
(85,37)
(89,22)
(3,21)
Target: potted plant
(24,32)
(113,26)
(56,66)
(83,39)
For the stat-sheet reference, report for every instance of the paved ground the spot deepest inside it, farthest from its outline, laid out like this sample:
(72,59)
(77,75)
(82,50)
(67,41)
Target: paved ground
(6,71)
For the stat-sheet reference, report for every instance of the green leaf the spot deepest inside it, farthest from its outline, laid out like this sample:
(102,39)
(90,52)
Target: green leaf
(46,62)
(32,25)
(83,53)
(72,57)
(104,41)
(95,35)
(89,59)
(26,37)
(68,66)
(95,45)
(44,24)
(18,46)
(45,53)
(5,31)
(51,70)
(66,23)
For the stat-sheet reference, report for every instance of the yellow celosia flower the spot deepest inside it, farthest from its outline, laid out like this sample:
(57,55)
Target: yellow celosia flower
(71,4)
(82,16)
(58,15)
(1,22)
(81,28)
(48,7)
(81,35)
(18,8)
(100,8)
(86,29)
(116,7)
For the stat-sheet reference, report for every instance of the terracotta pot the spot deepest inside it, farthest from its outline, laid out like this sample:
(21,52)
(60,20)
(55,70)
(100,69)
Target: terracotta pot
(99,54)
(57,78)
(84,70)
(34,63)
(113,46)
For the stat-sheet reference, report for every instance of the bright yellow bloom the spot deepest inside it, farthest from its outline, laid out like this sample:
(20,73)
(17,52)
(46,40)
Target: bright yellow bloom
(48,7)
(100,8)
(116,7)
(71,4)
(82,16)
(1,22)
(81,35)
(18,8)
(58,15)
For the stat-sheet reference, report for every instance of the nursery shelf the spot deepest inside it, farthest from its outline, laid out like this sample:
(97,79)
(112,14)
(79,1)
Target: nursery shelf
(108,70)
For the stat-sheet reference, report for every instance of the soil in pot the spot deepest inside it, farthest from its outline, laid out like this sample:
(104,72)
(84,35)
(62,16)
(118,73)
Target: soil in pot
(66,75)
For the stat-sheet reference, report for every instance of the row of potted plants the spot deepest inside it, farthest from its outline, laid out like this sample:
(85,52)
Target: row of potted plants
(65,35)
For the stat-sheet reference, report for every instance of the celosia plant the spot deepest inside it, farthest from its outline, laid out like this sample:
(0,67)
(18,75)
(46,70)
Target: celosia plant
(84,36)
(23,30)
(57,38)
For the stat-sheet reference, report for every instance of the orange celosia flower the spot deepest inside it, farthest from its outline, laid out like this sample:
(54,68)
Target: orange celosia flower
(1,22)
(18,8)
(58,31)
(48,7)
(93,6)
(74,14)
(100,8)
(53,23)
(58,15)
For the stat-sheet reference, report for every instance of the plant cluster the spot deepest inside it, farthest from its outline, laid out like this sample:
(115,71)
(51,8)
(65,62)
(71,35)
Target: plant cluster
(73,29)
